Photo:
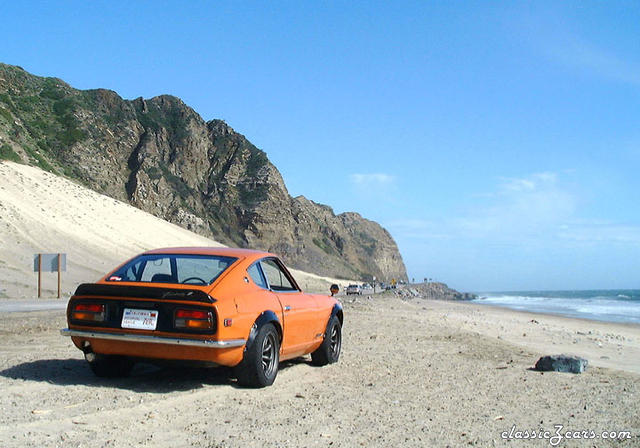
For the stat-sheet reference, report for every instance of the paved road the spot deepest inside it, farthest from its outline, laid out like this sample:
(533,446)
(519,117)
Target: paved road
(13,306)
(22,305)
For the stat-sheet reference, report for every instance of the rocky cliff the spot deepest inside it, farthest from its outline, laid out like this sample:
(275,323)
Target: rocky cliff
(161,156)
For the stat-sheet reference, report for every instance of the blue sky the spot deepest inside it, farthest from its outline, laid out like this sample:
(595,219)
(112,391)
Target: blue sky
(498,142)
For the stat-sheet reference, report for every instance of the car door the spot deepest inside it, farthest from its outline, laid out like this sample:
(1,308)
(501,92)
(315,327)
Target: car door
(299,310)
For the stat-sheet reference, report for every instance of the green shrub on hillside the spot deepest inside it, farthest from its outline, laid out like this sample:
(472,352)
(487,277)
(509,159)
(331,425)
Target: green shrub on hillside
(40,160)
(26,103)
(172,120)
(4,113)
(257,160)
(63,107)
(51,90)
(325,245)
(153,172)
(251,196)
(7,153)
(183,190)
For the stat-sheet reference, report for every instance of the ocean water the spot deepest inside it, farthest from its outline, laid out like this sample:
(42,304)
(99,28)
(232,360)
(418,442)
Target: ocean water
(621,305)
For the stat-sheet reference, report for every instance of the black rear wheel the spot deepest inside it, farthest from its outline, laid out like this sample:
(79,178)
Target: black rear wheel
(329,351)
(259,367)
(109,366)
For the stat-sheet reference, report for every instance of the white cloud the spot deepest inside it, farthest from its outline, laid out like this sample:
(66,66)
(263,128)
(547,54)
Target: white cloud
(372,180)
(419,229)
(520,208)
(410,224)
(531,183)
(538,210)
(607,233)
(555,36)
(583,55)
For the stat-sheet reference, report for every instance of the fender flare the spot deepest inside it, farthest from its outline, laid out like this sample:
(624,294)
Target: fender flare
(337,311)
(266,317)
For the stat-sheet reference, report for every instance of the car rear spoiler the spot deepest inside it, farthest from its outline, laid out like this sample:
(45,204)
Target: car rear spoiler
(143,292)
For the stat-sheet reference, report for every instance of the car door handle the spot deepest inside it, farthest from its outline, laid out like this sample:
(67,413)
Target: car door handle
(287,308)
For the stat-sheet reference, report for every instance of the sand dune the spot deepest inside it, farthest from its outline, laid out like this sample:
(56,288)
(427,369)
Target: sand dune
(44,213)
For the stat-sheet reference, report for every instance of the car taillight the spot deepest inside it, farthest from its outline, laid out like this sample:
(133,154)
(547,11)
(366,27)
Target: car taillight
(88,311)
(193,319)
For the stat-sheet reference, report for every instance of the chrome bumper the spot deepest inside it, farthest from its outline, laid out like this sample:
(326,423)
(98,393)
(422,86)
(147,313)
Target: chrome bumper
(208,343)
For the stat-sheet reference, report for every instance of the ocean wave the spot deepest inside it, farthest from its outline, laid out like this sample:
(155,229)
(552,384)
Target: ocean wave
(604,307)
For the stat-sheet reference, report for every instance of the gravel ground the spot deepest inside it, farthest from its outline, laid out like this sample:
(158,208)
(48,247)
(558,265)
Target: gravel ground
(411,374)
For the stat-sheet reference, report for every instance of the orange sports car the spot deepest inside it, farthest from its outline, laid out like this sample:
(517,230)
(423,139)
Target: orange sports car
(228,307)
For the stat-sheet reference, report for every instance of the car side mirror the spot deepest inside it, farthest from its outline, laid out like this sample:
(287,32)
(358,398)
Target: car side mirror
(334,289)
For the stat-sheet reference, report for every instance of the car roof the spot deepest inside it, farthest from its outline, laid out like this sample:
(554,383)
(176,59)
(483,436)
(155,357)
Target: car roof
(222,251)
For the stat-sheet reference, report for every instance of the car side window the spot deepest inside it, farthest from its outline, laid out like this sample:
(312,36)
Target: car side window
(256,276)
(278,280)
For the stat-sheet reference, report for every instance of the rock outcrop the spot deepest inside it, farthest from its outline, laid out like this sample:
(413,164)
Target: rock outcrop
(161,156)
(433,291)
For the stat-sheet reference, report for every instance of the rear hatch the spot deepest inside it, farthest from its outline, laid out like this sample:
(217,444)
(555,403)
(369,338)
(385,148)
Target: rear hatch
(142,309)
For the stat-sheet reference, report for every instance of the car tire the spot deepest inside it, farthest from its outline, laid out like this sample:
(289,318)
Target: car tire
(259,366)
(109,366)
(329,350)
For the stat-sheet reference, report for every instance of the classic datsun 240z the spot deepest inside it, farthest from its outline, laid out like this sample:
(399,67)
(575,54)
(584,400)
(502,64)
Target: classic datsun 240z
(228,307)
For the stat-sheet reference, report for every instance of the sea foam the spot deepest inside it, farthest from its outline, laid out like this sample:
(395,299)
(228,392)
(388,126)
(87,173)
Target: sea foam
(610,306)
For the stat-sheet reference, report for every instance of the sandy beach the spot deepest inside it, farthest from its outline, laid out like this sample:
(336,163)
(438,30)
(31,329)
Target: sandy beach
(412,373)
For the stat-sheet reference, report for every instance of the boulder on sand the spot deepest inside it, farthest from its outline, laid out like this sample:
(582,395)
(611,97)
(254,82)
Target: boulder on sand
(561,363)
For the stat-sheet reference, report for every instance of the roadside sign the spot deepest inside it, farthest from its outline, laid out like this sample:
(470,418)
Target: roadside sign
(49,263)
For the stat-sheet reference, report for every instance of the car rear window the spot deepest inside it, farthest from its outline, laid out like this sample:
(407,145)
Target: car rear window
(173,268)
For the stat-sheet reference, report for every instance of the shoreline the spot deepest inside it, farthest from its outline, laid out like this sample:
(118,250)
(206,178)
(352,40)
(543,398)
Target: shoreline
(567,316)
(603,305)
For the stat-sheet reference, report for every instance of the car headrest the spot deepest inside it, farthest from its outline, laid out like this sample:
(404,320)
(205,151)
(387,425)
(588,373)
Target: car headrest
(161,278)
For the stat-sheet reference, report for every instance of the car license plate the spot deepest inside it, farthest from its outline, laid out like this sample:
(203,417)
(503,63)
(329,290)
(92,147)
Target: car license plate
(140,319)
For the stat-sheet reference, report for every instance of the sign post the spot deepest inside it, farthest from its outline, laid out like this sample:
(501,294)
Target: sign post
(39,275)
(59,275)
(51,263)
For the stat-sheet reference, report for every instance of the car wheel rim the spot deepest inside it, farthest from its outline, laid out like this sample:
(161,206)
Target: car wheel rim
(269,355)
(335,340)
